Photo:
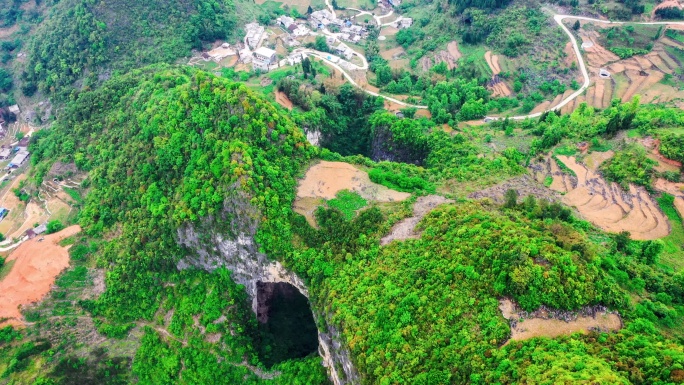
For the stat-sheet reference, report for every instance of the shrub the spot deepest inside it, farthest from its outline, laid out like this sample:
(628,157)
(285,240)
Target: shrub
(54,226)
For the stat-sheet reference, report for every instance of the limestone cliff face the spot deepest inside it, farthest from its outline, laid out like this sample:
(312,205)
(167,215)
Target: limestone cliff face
(234,248)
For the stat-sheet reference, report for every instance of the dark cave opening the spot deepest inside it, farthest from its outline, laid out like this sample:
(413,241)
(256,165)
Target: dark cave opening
(287,329)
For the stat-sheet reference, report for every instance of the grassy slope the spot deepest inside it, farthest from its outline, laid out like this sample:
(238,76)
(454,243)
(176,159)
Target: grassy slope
(672,253)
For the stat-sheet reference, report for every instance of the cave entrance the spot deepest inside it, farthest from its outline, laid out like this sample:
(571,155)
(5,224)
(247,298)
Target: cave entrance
(287,328)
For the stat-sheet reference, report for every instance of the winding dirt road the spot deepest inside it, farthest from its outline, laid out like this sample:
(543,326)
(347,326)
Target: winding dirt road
(583,68)
(559,20)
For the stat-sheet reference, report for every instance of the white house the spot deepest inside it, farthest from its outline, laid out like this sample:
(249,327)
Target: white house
(263,58)
(19,159)
(298,30)
(344,51)
(294,59)
(285,21)
(321,19)
(254,34)
(405,23)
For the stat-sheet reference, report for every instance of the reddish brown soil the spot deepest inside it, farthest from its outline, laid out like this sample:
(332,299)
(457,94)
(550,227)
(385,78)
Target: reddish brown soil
(283,100)
(36,265)
(326,179)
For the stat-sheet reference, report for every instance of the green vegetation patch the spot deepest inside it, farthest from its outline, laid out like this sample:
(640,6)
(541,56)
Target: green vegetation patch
(467,258)
(566,149)
(674,242)
(348,203)
(629,40)
(5,267)
(672,147)
(82,38)
(630,165)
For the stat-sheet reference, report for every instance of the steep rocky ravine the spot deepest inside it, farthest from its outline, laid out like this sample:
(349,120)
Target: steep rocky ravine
(234,248)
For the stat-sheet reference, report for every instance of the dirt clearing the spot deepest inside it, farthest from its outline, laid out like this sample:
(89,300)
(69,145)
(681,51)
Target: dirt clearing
(453,50)
(16,207)
(493,62)
(392,54)
(525,185)
(675,189)
(406,228)
(36,265)
(605,204)
(500,89)
(548,323)
(389,31)
(307,207)
(326,179)
(283,100)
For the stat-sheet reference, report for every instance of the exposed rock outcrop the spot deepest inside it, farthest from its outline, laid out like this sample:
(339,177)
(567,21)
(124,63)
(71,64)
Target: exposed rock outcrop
(406,228)
(228,241)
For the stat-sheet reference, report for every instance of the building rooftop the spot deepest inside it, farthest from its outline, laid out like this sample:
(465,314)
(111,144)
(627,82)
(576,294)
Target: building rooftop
(40,229)
(263,51)
(19,158)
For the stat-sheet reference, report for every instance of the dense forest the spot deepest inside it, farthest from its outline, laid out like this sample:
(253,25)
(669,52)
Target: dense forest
(90,40)
(165,147)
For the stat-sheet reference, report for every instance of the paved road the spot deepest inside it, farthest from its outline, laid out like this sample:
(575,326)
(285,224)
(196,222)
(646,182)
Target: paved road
(583,68)
(322,56)
(559,20)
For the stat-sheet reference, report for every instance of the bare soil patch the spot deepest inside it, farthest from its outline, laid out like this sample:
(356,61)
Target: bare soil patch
(283,100)
(607,206)
(500,89)
(307,207)
(453,50)
(393,53)
(549,323)
(425,113)
(36,266)
(406,228)
(493,62)
(525,185)
(326,179)
(597,55)
(570,56)
(541,107)
(392,106)
(7,32)
(388,31)
(596,158)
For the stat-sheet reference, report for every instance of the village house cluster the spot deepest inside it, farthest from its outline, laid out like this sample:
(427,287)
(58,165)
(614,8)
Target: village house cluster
(337,31)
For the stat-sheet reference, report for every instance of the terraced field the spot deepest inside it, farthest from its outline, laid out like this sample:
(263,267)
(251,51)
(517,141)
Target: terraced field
(604,203)
(638,75)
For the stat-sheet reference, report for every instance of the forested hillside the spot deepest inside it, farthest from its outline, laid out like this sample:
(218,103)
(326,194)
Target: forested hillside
(164,147)
(433,246)
(90,40)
